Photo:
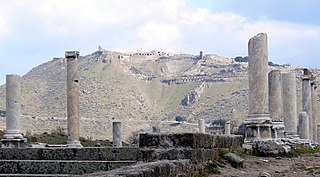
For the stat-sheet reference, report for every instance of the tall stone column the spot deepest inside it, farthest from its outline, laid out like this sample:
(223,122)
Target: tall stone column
(73,110)
(306,99)
(258,122)
(117,130)
(202,126)
(314,98)
(13,103)
(304,125)
(289,97)
(275,95)
(275,103)
(13,137)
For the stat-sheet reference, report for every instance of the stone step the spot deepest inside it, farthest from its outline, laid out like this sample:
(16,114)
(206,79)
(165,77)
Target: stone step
(189,140)
(32,175)
(90,153)
(58,166)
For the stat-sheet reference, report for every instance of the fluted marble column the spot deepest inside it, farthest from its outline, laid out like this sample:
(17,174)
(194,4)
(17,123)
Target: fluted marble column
(306,99)
(13,103)
(258,122)
(73,110)
(314,98)
(289,97)
(304,125)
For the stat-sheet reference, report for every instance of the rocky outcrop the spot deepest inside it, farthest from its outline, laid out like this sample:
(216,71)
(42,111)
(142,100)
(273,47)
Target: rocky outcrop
(194,95)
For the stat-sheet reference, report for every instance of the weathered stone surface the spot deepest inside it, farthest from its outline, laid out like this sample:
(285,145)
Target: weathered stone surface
(275,95)
(303,126)
(13,102)
(258,75)
(306,99)
(267,148)
(278,129)
(289,96)
(315,118)
(116,134)
(165,168)
(73,109)
(107,154)
(258,122)
(234,160)
(202,126)
(276,146)
(58,166)
(191,140)
(199,155)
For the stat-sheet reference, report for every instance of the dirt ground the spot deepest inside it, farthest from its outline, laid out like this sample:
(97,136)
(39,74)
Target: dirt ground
(302,166)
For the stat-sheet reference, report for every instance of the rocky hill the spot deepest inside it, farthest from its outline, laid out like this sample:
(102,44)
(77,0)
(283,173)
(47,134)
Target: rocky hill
(140,89)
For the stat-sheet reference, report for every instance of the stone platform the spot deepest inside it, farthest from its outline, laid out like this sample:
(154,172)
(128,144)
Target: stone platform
(189,140)
(159,155)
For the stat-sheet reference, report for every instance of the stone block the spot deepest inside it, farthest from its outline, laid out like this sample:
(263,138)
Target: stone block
(16,154)
(32,167)
(119,154)
(189,140)
(83,167)
(58,153)
(8,167)
(165,168)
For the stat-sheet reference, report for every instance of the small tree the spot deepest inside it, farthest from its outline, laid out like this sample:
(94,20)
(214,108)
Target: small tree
(180,119)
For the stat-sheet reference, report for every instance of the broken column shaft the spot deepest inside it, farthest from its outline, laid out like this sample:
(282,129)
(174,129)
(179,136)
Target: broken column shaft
(227,128)
(202,126)
(73,110)
(117,130)
(258,122)
(304,125)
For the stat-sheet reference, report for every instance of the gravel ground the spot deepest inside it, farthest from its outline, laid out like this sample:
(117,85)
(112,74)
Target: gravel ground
(304,165)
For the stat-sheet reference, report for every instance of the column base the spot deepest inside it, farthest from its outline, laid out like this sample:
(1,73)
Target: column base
(74,144)
(258,127)
(278,129)
(292,135)
(12,134)
(14,143)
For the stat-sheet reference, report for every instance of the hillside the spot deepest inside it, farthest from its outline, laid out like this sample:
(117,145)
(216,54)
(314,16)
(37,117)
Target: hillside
(139,89)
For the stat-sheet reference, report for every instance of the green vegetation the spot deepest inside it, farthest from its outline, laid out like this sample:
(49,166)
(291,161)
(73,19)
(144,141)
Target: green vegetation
(241,59)
(60,138)
(180,119)
(245,59)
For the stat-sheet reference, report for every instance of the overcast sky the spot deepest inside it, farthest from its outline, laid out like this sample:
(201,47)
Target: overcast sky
(35,31)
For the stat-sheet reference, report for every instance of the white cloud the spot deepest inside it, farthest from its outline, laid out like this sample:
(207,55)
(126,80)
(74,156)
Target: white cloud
(159,36)
(174,25)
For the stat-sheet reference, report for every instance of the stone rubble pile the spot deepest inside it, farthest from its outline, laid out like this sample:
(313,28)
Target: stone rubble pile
(280,146)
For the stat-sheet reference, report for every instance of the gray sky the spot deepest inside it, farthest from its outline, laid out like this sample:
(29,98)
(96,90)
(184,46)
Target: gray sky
(35,31)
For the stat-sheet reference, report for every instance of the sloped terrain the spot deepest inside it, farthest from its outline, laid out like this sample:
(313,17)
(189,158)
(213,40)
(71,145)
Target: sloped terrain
(137,89)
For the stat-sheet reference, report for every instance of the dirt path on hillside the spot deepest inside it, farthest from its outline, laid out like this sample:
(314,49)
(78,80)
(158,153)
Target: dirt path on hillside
(301,166)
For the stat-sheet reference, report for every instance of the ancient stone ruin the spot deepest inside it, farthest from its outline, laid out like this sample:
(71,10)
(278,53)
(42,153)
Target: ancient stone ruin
(273,121)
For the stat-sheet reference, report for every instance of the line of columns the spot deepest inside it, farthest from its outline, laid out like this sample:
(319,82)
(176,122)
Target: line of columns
(13,136)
